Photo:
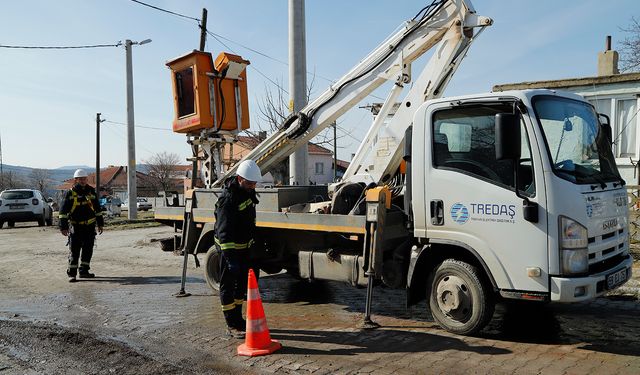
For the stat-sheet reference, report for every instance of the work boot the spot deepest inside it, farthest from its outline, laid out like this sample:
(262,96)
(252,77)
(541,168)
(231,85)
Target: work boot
(72,279)
(236,319)
(235,333)
(240,325)
(86,275)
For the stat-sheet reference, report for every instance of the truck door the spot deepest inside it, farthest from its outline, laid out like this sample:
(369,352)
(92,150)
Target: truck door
(470,196)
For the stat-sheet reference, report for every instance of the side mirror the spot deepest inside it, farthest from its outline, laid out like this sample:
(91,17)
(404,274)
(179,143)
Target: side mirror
(507,136)
(605,126)
(49,200)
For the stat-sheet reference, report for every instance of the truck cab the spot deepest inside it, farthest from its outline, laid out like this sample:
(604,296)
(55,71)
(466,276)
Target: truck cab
(521,186)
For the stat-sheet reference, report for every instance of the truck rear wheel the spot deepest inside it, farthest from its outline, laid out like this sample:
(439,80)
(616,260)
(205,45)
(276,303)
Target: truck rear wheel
(212,268)
(459,300)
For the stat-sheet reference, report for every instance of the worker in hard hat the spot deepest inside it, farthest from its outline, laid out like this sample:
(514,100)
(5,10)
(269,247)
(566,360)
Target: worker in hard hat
(234,236)
(79,215)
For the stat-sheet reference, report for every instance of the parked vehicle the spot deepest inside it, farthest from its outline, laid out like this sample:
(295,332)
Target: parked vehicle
(141,204)
(24,205)
(459,201)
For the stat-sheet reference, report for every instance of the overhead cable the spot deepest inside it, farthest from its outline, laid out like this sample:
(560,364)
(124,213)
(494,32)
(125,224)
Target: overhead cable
(137,126)
(166,11)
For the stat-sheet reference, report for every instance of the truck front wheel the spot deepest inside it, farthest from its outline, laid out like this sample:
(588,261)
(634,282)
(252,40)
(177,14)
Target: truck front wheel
(212,268)
(459,300)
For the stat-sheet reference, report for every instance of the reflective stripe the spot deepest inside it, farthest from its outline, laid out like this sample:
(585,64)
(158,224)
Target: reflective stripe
(228,307)
(98,213)
(239,302)
(257,325)
(253,295)
(233,245)
(72,266)
(245,204)
(84,263)
(86,222)
(62,216)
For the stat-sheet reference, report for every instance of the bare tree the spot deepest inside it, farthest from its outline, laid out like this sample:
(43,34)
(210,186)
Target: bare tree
(274,110)
(630,47)
(41,180)
(162,168)
(12,180)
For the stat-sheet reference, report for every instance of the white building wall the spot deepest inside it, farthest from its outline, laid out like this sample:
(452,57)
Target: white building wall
(323,175)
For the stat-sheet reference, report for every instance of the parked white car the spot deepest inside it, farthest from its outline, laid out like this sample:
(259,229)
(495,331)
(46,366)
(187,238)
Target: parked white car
(141,204)
(23,205)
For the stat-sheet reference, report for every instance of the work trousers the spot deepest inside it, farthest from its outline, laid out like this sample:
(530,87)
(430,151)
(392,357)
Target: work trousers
(234,271)
(81,242)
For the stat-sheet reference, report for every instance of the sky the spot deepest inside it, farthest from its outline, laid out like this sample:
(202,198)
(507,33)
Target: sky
(49,98)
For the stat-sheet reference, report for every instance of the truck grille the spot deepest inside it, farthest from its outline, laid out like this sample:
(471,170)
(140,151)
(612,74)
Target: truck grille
(606,251)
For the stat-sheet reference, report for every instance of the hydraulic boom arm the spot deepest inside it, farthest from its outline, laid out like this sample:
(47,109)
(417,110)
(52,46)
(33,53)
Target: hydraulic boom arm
(449,22)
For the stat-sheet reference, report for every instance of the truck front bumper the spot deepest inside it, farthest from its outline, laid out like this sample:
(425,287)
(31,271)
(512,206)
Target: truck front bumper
(578,289)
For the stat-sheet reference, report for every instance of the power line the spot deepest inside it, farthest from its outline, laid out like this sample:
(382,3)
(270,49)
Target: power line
(251,66)
(138,126)
(123,137)
(166,11)
(218,37)
(262,54)
(63,47)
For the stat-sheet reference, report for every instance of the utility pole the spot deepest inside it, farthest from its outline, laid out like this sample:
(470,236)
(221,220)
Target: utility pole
(297,85)
(195,148)
(132,188)
(335,153)
(98,121)
(203,30)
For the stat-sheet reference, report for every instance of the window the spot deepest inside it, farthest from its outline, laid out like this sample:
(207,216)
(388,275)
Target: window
(17,194)
(464,141)
(623,114)
(319,168)
(185,92)
(626,133)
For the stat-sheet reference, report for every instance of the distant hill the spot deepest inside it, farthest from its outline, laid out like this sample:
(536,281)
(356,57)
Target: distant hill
(57,175)
(74,167)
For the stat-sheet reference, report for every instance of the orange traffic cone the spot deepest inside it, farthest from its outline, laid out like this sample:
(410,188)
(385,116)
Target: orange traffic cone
(257,339)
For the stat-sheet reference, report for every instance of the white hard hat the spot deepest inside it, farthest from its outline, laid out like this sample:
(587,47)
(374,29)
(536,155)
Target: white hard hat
(80,173)
(249,170)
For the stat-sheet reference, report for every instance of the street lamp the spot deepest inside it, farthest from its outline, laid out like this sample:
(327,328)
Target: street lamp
(131,140)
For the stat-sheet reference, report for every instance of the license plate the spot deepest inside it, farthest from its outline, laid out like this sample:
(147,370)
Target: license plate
(617,278)
(15,206)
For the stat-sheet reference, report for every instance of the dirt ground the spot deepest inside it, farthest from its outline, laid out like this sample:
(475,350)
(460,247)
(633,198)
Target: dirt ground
(127,321)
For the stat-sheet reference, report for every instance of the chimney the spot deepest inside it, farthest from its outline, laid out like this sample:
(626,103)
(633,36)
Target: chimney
(608,60)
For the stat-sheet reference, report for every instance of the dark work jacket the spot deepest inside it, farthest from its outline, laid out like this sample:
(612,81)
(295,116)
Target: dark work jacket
(80,207)
(235,217)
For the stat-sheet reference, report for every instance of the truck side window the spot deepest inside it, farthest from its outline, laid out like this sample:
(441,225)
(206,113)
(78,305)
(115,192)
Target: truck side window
(464,141)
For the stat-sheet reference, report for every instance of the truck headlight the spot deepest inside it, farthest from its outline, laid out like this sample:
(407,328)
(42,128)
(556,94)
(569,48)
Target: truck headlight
(574,255)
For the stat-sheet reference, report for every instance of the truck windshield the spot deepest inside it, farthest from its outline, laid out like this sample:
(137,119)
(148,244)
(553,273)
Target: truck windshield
(580,152)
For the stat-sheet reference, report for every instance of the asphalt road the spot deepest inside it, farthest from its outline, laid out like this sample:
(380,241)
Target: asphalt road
(126,321)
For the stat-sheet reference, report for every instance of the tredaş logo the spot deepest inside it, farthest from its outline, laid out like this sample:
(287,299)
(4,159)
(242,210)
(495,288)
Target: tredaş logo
(459,213)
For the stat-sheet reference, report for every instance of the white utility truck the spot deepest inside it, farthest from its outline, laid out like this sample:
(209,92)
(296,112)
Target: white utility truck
(461,201)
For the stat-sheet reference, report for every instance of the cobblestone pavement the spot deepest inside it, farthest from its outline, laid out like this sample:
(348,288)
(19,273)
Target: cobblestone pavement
(132,302)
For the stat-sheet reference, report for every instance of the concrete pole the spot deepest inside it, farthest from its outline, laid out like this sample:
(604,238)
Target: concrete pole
(297,85)
(98,121)
(132,191)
